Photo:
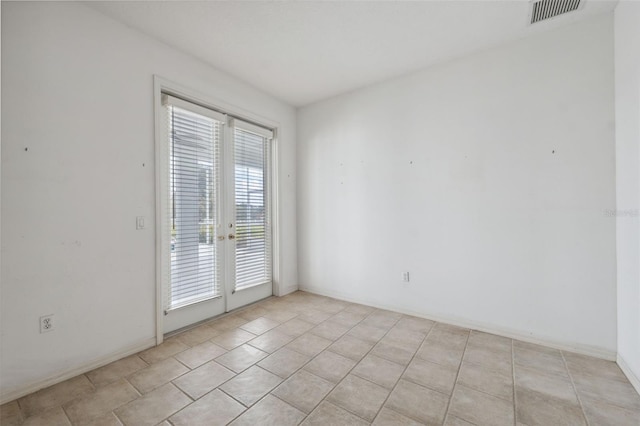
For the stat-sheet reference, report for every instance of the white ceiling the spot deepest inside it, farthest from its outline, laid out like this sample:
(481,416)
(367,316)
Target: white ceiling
(302,52)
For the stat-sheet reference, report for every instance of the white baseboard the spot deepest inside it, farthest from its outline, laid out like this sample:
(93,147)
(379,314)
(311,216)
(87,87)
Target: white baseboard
(21,391)
(475,325)
(635,381)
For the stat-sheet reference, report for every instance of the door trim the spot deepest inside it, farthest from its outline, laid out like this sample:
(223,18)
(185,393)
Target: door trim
(161,85)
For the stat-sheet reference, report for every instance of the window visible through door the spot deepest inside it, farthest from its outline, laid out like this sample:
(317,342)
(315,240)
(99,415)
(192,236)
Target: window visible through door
(216,211)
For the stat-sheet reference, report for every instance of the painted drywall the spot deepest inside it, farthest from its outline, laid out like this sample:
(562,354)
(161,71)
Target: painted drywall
(77,168)
(486,178)
(627,89)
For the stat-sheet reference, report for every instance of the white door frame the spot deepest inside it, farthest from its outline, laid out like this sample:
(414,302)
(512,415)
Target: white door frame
(161,85)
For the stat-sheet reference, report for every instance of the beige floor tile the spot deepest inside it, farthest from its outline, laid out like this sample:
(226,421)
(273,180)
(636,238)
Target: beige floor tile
(328,414)
(364,372)
(294,327)
(241,358)
(271,341)
(351,347)
(309,344)
(97,404)
(487,340)
(387,417)
(454,421)
(203,379)
(254,312)
(251,385)
(303,390)
(382,319)
(359,309)
(480,408)
(270,411)
(153,407)
(441,353)
(359,397)
(199,354)
(482,379)
(281,315)
(583,365)
(284,362)
(233,338)
(451,336)
(332,306)
(431,375)
(599,413)
(418,402)
(399,355)
(108,419)
(610,391)
(539,409)
(404,338)
(197,335)
(494,359)
(347,319)
(157,374)
(367,332)
(546,362)
(330,330)
(228,322)
(554,386)
(421,325)
(52,417)
(519,344)
(379,370)
(10,414)
(214,409)
(260,325)
(116,370)
(163,351)
(330,366)
(314,316)
(55,395)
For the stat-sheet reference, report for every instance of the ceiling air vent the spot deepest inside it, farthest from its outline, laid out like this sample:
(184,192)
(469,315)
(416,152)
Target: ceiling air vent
(545,9)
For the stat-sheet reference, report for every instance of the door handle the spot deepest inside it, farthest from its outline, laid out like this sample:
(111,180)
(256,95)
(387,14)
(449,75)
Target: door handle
(220,237)
(231,237)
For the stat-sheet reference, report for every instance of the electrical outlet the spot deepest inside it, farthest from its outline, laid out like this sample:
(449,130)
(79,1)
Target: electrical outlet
(405,277)
(139,222)
(46,323)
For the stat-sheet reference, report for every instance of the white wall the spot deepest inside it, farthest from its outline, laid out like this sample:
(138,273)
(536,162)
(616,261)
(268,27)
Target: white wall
(627,83)
(486,178)
(77,168)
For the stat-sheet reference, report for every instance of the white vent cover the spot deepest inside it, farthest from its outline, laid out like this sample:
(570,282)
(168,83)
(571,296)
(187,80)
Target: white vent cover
(545,9)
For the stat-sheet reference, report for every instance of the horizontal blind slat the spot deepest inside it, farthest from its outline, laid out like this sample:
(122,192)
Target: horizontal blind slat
(253,245)
(194,141)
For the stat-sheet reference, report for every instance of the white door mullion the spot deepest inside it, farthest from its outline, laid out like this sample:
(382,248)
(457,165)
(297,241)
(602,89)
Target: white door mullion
(230,211)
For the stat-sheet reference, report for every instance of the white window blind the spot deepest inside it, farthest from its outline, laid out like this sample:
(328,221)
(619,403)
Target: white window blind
(195,136)
(252,158)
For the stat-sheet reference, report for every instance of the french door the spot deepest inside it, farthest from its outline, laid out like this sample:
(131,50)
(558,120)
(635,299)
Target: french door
(216,245)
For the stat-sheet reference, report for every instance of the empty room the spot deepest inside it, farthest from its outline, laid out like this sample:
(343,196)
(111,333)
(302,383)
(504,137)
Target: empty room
(320,213)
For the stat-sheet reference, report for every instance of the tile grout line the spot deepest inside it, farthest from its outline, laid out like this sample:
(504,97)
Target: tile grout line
(513,376)
(285,379)
(221,384)
(575,389)
(256,364)
(318,354)
(455,383)
(403,371)
(351,369)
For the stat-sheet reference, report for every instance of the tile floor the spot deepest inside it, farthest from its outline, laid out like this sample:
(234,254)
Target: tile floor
(311,360)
